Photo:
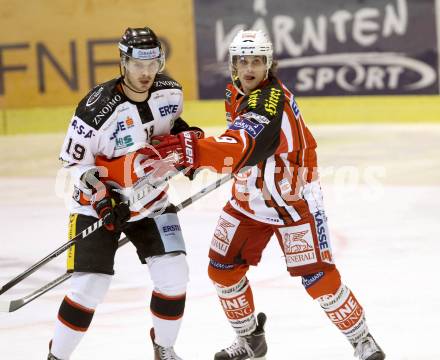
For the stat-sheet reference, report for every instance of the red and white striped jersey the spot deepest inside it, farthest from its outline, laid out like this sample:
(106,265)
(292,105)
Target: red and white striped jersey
(270,151)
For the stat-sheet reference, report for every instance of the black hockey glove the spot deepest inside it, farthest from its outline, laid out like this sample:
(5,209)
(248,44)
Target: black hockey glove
(107,203)
(113,212)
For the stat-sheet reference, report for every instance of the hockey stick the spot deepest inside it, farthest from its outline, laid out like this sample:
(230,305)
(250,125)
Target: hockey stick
(13,305)
(86,232)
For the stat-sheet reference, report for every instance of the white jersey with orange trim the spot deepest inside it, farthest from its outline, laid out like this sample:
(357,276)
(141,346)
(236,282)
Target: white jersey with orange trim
(270,151)
(107,129)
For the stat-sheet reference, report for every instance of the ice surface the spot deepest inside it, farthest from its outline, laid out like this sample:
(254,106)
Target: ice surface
(384,235)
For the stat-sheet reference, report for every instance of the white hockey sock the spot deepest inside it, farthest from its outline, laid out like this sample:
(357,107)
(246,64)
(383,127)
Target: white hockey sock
(65,340)
(166,330)
(238,304)
(170,276)
(76,311)
(346,313)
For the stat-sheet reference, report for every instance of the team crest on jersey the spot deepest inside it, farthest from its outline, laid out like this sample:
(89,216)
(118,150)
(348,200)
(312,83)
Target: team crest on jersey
(298,245)
(223,234)
(250,127)
(94,97)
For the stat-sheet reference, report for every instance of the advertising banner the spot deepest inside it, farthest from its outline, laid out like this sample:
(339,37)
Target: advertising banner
(334,47)
(52,53)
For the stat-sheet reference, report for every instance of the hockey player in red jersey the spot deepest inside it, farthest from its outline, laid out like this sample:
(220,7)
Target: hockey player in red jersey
(276,190)
(110,124)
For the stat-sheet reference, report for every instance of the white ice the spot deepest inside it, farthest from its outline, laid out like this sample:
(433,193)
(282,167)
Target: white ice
(384,235)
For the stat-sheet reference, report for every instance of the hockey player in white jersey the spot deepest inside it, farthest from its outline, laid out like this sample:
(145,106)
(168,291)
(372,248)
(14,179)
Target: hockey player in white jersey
(110,125)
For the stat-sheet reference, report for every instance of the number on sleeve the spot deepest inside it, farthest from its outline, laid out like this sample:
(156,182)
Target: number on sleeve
(78,150)
(225,139)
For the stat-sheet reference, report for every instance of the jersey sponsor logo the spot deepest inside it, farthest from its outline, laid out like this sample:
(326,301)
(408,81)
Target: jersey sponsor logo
(107,109)
(260,118)
(298,245)
(253,99)
(171,228)
(245,124)
(224,232)
(348,314)
(122,126)
(237,307)
(123,142)
(295,108)
(220,266)
(168,109)
(166,83)
(309,280)
(94,97)
(81,129)
(271,103)
(323,237)
(129,122)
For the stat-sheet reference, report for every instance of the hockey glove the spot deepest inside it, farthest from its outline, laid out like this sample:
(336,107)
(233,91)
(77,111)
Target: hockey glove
(181,149)
(110,209)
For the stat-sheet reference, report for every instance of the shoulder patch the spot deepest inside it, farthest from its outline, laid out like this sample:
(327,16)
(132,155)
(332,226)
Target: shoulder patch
(94,97)
(99,104)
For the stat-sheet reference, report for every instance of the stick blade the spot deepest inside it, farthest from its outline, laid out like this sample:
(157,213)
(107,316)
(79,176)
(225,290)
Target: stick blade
(11,305)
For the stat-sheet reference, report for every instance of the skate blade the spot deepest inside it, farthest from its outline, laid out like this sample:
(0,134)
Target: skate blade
(260,358)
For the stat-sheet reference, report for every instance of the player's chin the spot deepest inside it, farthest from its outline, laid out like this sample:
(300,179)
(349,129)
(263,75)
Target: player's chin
(144,85)
(250,84)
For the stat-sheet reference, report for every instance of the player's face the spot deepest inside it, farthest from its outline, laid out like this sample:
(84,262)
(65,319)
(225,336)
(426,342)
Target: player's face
(251,70)
(140,74)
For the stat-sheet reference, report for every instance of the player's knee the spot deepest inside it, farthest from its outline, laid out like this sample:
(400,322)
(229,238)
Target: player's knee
(226,274)
(326,282)
(169,273)
(89,289)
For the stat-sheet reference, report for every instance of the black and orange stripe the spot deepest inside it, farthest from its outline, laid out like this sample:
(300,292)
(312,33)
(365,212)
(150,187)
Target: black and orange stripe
(167,307)
(74,315)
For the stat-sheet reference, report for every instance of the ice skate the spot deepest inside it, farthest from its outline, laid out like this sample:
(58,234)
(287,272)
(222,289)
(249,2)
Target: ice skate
(367,349)
(252,346)
(163,353)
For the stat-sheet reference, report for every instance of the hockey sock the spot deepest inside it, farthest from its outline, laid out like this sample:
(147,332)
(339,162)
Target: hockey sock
(76,311)
(238,304)
(73,321)
(346,313)
(167,312)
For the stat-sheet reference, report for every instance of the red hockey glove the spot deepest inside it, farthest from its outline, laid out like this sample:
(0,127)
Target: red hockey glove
(110,209)
(200,134)
(180,148)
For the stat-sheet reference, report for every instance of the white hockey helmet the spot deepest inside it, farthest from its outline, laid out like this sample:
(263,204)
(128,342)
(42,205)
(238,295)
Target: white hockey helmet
(251,42)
